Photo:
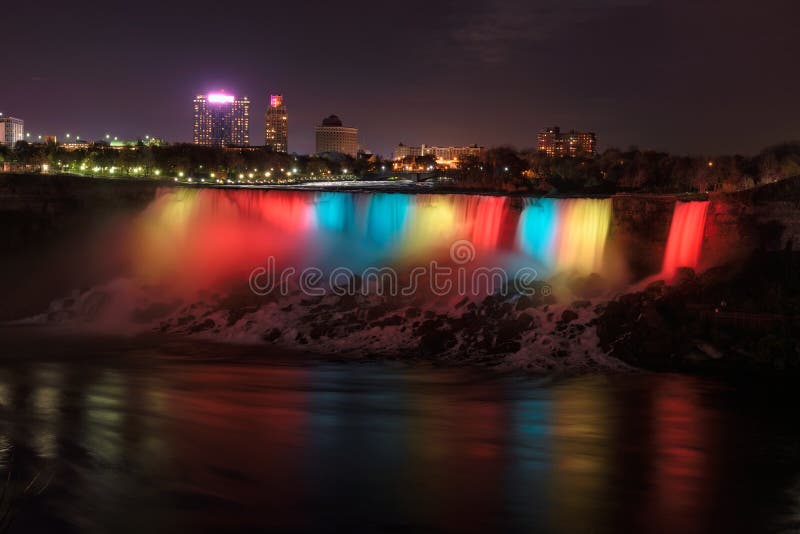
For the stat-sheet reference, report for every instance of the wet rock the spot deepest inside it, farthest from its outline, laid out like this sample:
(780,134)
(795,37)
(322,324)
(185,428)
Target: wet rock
(509,347)
(208,324)
(271,335)
(436,342)
(413,312)
(394,320)
(524,303)
(568,316)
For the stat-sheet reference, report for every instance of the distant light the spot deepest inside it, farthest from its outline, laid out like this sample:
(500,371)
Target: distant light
(344,171)
(180,174)
(220,98)
(241,176)
(158,172)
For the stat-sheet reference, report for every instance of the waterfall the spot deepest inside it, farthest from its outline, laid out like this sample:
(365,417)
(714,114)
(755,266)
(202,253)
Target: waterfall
(198,238)
(685,237)
(565,235)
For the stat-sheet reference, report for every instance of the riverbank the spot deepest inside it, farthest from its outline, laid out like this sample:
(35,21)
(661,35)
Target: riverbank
(742,317)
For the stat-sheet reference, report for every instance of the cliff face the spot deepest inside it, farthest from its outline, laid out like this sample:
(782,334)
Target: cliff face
(56,235)
(736,225)
(35,208)
(639,230)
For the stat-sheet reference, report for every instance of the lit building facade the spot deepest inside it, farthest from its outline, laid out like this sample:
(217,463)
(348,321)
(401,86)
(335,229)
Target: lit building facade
(333,136)
(221,120)
(276,125)
(11,130)
(553,142)
(445,155)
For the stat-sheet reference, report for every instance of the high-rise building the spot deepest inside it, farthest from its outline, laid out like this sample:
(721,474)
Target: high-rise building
(221,120)
(11,130)
(574,144)
(332,136)
(276,125)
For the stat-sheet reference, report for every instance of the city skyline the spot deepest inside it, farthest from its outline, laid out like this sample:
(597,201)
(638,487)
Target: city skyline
(490,73)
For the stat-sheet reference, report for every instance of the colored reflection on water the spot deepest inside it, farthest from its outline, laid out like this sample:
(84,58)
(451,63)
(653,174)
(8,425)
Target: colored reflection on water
(191,437)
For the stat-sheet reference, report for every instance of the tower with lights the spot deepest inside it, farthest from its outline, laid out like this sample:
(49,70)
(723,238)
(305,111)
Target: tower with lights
(276,125)
(221,120)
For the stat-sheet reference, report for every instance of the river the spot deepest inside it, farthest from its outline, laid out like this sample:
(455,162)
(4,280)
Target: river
(147,434)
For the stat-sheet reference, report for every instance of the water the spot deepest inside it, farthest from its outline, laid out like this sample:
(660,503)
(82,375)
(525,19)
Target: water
(198,239)
(685,240)
(154,435)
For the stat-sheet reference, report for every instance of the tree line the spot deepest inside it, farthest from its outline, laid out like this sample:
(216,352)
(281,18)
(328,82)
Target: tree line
(500,168)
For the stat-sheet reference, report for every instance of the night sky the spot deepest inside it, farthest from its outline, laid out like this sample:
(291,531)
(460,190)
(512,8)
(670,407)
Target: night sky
(678,75)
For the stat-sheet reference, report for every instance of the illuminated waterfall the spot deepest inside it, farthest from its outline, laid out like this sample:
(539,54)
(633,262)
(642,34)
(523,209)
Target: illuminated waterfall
(198,238)
(536,233)
(582,235)
(685,237)
(565,235)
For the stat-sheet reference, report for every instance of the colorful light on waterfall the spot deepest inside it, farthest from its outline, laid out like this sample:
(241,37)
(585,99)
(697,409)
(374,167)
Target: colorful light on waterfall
(685,239)
(195,239)
(566,235)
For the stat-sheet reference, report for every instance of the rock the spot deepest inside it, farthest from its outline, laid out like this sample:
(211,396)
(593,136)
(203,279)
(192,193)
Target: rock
(568,316)
(413,312)
(394,320)
(709,350)
(208,324)
(436,342)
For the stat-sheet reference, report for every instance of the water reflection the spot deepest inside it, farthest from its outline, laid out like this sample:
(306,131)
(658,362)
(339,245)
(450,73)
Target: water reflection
(149,440)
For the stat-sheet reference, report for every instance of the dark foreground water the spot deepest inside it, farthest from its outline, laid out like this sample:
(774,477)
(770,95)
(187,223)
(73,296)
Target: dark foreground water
(166,436)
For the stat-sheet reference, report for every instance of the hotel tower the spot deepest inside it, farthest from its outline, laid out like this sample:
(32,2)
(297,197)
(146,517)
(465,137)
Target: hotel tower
(221,120)
(276,125)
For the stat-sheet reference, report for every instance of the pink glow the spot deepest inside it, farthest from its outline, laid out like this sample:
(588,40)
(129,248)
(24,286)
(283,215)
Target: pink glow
(275,101)
(685,237)
(220,98)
